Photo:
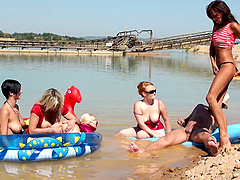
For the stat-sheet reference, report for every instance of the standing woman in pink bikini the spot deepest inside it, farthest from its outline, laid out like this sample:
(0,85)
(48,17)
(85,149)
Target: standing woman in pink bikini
(226,29)
(148,112)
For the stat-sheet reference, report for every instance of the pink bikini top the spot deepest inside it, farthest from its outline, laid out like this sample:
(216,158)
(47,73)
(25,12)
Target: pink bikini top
(223,38)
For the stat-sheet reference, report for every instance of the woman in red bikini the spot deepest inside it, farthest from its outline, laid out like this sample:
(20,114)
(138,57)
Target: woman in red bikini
(46,115)
(226,29)
(147,113)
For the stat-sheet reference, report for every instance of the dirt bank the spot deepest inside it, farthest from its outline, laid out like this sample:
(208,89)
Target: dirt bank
(225,166)
(204,49)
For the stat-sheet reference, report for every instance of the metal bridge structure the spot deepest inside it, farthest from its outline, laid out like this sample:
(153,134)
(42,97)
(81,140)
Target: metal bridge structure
(123,41)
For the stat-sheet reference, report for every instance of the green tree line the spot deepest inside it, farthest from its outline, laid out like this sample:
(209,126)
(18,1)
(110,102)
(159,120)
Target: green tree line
(39,37)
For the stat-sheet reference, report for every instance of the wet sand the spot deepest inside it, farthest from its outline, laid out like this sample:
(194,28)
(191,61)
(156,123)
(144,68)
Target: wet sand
(226,165)
(162,163)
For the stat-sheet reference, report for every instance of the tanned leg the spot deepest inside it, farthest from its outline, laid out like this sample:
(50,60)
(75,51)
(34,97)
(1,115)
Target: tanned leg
(217,89)
(174,137)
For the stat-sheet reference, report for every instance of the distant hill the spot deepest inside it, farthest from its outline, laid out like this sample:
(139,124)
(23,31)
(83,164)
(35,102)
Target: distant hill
(39,37)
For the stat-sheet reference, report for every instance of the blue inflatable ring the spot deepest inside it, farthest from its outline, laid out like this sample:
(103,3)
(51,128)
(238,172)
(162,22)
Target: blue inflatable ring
(233,130)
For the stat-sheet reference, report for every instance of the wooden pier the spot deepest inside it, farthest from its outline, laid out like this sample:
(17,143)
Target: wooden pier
(124,41)
(180,42)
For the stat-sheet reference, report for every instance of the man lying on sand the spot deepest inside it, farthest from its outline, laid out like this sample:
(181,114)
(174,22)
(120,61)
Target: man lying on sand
(197,127)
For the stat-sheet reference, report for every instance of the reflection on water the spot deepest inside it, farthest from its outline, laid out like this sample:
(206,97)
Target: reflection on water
(142,166)
(108,87)
(40,170)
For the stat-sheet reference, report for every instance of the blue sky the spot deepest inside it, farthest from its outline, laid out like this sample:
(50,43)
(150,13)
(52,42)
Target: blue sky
(107,17)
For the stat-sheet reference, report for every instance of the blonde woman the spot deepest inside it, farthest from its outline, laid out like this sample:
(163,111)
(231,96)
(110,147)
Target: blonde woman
(46,115)
(89,123)
(148,113)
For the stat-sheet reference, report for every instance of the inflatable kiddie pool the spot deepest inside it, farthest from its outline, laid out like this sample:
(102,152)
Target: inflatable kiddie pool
(39,147)
(233,130)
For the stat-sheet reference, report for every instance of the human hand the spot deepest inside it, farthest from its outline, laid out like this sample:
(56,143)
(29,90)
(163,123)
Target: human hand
(237,73)
(56,128)
(215,70)
(181,121)
(70,125)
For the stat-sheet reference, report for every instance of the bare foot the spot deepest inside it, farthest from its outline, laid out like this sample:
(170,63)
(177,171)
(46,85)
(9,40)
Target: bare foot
(133,148)
(213,146)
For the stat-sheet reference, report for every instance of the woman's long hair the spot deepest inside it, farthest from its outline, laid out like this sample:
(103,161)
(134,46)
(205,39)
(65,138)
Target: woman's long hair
(52,102)
(222,7)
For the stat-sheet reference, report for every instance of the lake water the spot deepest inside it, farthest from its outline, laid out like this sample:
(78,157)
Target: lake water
(108,87)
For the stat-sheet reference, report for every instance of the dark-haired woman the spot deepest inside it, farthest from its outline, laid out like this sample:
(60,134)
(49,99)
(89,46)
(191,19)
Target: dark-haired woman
(11,121)
(225,30)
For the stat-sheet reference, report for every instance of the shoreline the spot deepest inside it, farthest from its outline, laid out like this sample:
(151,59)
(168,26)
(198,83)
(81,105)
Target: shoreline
(78,52)
(204,49)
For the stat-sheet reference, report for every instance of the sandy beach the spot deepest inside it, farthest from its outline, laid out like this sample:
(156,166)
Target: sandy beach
(225,165)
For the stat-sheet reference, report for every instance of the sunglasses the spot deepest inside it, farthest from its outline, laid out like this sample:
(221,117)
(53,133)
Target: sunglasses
(94,122)
(151,92)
